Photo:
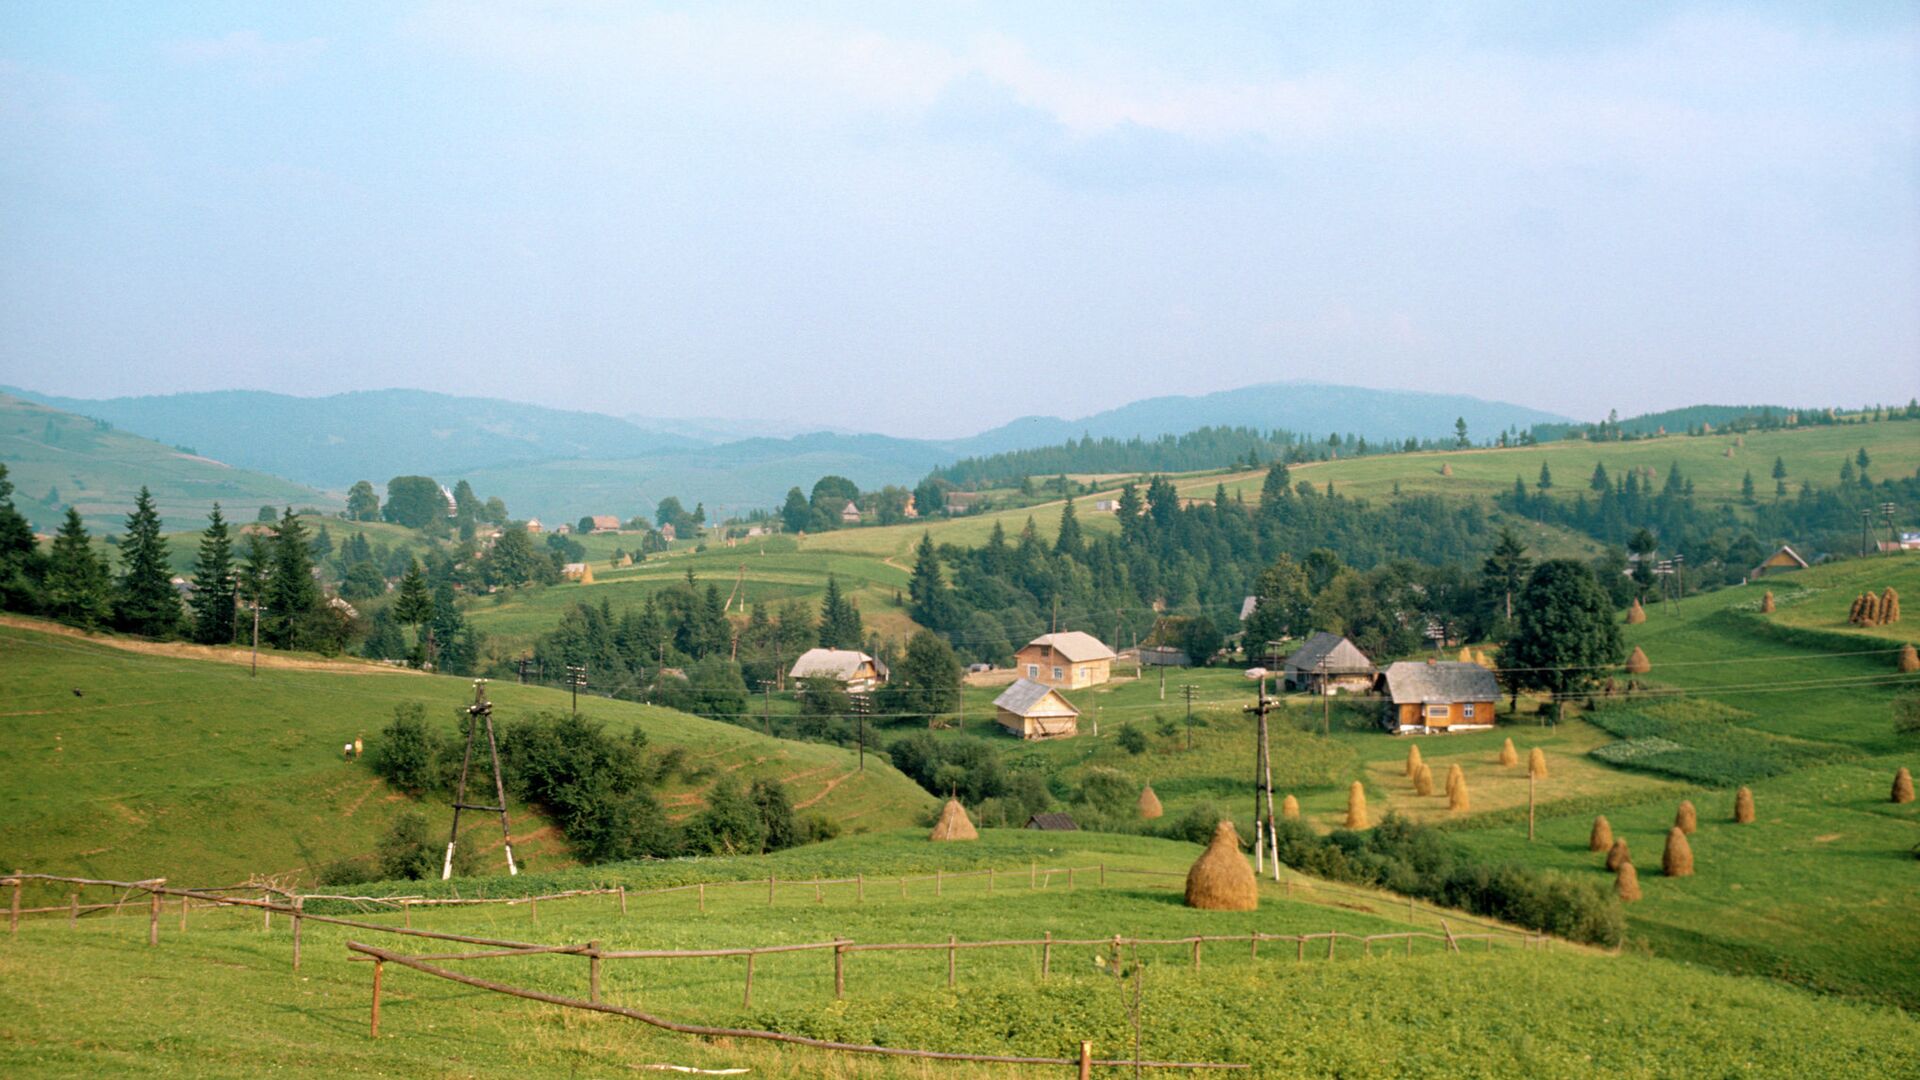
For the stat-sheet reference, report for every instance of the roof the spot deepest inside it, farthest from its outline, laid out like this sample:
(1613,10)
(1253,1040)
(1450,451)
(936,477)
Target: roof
(1075,645)
(1247,605)
(1340,656)
(1020,698)
(606,521)
(1788,551)
(842,664)
(1053,822)
(1439,682)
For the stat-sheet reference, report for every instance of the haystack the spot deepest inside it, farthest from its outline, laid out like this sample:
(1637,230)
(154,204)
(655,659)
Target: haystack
(1602,836)
(1457,798)
(1150,807)
(1677,860)
(1413,760)
(1685,819)
(1423,783)
(1743,806)
(1908,661)
(1637,663)
(1446,469)
(1903,786)
(1455,778)
(1221,879)
(1290,809)
(1466,655)
(1617,855)
(1636,614)
(1537,763)
(1356,806)
(953,823)
(1889,607)
(1626,882)
(1766,603)
(1508,755)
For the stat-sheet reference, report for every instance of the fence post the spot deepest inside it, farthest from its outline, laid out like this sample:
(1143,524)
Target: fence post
(903,888)
(1103,874)
(951,954)
(73,910)
(769,890)
(183,914)
(623,901)
(534,906)
(1046,956)
(1196,954)
(747,1001)
(406,912)
(1409,943)
(13,919)
(939,882)
(153,918)
(1033,872)
(1300,947)
(989,881)
(1367,945)
(839,970)
(860,897)
(816,894)
(1069,879)
(593,972)
(703,898)
(1086,1059)
(1253,939)
(1332,936)
(299,903)
(379,966)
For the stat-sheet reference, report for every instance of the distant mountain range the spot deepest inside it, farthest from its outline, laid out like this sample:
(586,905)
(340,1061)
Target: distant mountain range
(559,464)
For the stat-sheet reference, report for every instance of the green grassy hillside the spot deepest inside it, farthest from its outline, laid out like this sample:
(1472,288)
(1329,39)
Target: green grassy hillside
(166,763)
(99,471)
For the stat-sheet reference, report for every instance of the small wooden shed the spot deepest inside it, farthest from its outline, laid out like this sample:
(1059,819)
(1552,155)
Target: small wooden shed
(1035,710)
(1053,822)
(1782,560)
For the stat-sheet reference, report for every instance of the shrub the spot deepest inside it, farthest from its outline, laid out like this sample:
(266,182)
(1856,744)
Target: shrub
(592,784)
(1196,825)
(1108,791)
(730,825)
(406,852)
(1132,739)
(352,871)
(405,755)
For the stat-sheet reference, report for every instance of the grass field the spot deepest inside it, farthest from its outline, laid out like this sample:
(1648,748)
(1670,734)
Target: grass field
(218,1000)
(195,768)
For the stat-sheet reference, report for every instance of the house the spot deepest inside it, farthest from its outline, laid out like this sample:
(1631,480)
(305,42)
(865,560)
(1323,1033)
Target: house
(1034,710)
(667,533)
(962,502)
(1909,541)
(857,670)
(1328,663)
(606,523)
(1163,656)
(1247,606)
(575,571)
(1053,823)
(910,511)
(1780,561)
(562,529)
(850,514)
(533,525)
(1107,506)
(1437,695)
(1069,659)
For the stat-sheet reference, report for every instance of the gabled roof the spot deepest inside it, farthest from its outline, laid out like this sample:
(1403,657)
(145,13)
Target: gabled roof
(1247,606)
(842,664)
(1054,822)
(606,521)
(1020,698)
(1077,647)
(1341,656)
(1416,682)
(1788,551)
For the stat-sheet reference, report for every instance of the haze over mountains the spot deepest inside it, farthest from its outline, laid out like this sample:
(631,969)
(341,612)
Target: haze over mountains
(559,463)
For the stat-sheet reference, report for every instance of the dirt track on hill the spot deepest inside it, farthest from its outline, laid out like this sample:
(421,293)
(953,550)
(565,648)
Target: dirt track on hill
(181,650)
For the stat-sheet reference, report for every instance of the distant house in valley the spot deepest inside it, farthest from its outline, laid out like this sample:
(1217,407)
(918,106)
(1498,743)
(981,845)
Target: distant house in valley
(1909,541)
(963,502)
(533,525)
(1107,506)
(667,533)
(1328,663)
(1069,659)
(850,514)
(1163,656)
(910,511)
(1437,695)
(562,529)
(577,571)
(1780,561)
(606,523)
(1034,710)
(1247,606)
(857,670)
(1053,822)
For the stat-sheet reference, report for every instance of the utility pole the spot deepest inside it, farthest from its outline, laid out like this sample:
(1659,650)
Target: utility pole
(1263,768)
(1163,679)
(862,705)
(1893,536)
(253,665)
(1326,702)
(1187,689)
(480,711)
(576,678)
(1866,524)
(766,704)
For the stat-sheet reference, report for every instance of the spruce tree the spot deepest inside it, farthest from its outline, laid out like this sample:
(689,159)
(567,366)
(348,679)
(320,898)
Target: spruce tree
(1746,488)
(145,601)
(413,606)
(1546,477)
(928,600)
(1600,481)
(291,592)
(22,567)
(79,590)
(1069,541)
(214,584)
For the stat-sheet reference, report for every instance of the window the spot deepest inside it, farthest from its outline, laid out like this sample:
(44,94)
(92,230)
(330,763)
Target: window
(1033,671)
(1437,710)
(1057,673)
(1082,673)
(1466,711)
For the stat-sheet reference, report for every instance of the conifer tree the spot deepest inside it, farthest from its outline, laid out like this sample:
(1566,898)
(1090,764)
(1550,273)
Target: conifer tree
(144,600)
(1546,477)
(1069,541)
(1600,481)
(291,592)
(78,588)
(928,600)
(22,566)
(214,584)
(839,620)
(413,606)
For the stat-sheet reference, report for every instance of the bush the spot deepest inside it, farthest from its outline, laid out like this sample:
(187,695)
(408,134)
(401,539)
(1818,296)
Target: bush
(593,785)
(730,825)
(1195,826)
(1132,739)
(1107,791)
(406,853)
(406,753)
(922,754)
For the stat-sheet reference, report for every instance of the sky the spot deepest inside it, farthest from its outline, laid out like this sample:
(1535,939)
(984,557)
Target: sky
(927,219)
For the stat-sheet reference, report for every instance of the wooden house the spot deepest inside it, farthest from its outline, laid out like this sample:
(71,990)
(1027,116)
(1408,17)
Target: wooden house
(1053,822)
(1328,663)
(1069,659)
(606,523)
(850,514)
(668,533)
(1784,559)
(1035,710)
(1437,695)
(857,670)
(533,525)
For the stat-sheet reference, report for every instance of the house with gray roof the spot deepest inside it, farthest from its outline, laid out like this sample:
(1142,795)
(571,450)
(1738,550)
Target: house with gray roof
(1328,663)
(1425,696)
(1034,710)
(856,669)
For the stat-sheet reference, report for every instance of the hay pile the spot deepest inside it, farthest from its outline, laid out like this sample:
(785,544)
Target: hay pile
(1457,797)
(1637,664)
(1602,836)
(1537,763)
(1617,855)
(1446,469)
(1903,786)
(1677,860)
(1508,755)
(1908,661)
(1423,784)
(1626,882)
(953,823)
(1356,806)
(1455,778)
(1221,879)
(1290,809)
(1766,603)
(1413,760)
(1685,819)
(1149,804)
(1743,806)
(1636,614)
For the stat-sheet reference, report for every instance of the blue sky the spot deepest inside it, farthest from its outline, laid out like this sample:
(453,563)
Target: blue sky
(926,219)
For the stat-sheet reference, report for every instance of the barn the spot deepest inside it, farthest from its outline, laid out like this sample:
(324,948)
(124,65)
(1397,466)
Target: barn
(1329,663)
(1034,710)
(1069,659)
(1437,695)
(1784,559)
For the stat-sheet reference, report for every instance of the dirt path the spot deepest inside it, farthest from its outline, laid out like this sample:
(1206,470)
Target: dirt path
(825,791)
(181,650)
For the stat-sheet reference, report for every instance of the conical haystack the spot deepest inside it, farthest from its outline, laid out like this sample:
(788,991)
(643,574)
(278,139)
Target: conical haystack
(1446,469)
(1636,614)
(1626,882)
(1150,807)
(953,823)
(1466,654)
(1685,819)
(1508,755)
(1766,603)
(1889,607)
(1602,836)
(1743,806)
(1908,661)
(1413,760)
(1637,663)
(1221,879)
(1457,798)
(1356,806)
(1537,763)
(1903,786)
(1290,809)
(1677,860)
(1617,855)
(1423,784)
(1454,778)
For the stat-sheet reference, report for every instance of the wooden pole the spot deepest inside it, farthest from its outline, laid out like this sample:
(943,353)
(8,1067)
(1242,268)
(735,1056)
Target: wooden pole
(951,954)
(1046,957)
(817,898)
(1332,937)
(153,919)
(379,967)
(1069,879)
(623,901)
(534,906)
(860,896)
(989,881)
(593,971)
(903,888)
(1103,875)
(73,910)
(1033,871)
(183,914)
(1086,1059)
(1529,806)
(747,1001)
(266,913)
(939,881)
(1254,939)
(769,890)
(1300,947)
(298,903)
(703,898)
(1196,954)
(406,913)
(839,970)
